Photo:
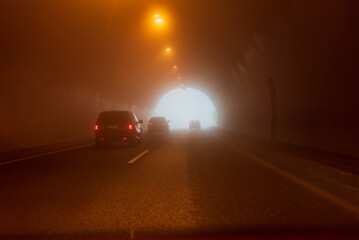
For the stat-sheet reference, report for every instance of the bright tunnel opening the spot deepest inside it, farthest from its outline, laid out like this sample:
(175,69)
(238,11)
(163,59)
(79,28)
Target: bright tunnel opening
(183,105)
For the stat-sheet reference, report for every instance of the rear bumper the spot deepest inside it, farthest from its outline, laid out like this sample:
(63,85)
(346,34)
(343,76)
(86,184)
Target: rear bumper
(123,137)
(158,131)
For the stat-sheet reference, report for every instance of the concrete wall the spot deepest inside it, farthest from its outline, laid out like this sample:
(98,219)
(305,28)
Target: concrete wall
(312,58)
(60,65)
(49,113)
(58,71)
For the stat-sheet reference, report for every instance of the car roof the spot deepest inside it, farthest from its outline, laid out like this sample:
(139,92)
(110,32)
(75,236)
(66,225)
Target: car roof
(152,118)
(111,114)
(117,111)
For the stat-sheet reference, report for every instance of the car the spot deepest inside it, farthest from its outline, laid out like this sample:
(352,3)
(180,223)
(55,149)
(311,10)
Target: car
(158,125)
(194,124)
(118,126)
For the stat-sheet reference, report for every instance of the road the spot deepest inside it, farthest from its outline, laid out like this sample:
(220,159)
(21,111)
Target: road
(190,181)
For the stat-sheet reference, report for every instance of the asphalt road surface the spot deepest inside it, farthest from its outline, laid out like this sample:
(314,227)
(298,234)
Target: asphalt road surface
(189,181)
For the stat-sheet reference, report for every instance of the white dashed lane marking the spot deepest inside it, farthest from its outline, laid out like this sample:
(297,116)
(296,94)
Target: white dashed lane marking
(138,156)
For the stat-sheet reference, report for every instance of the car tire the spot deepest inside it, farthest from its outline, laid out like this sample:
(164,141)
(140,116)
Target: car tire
(140,141)
(99,144)
(133,141)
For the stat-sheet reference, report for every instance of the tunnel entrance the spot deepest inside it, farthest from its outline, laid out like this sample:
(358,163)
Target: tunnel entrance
(182,105)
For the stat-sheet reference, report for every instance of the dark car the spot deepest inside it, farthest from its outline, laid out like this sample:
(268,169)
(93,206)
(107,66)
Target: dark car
(158,125)
(118,126)
(194,124)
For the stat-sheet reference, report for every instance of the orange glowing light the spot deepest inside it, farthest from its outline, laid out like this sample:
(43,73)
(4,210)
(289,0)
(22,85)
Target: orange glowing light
(157,23)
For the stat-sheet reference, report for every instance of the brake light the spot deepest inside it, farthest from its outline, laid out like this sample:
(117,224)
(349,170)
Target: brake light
(130,126)
(96,127)
(163,123)
(149,123)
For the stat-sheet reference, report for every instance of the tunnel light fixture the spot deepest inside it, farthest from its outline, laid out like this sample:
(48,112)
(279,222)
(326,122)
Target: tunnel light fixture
(157,18)
(158,23)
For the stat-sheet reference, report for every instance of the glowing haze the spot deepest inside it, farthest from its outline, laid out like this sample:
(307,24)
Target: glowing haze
(182,105)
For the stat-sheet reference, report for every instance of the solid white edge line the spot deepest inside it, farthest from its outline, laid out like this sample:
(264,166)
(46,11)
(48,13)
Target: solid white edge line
(138,156)
(44,154)
(319,191)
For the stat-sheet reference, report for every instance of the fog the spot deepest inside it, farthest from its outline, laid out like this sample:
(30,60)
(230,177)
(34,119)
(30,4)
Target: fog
(181,105)
(62,62)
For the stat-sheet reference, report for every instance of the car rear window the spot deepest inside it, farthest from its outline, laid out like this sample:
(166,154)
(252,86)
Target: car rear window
(158,119)
(113,117)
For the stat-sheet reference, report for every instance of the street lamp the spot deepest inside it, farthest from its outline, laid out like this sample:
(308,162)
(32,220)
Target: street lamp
(157,18)
(157,23)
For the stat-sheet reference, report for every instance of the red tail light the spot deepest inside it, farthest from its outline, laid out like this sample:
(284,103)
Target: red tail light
(130,126)
(96,127)
(149,123)
(163,123)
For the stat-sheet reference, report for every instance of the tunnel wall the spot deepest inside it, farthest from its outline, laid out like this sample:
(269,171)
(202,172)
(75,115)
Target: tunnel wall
(49,114)
(311,58)
(57,72)
(59,67)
